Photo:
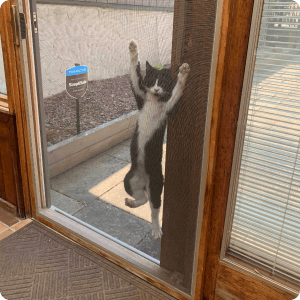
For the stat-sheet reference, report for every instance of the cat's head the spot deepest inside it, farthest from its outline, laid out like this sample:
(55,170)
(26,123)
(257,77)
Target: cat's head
(159,82)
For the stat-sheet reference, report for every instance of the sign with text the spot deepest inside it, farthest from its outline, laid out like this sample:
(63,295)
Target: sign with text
(76,81)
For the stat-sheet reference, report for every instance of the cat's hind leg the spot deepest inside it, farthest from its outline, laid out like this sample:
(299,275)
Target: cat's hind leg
(137,184)
(154,190)
(156,229)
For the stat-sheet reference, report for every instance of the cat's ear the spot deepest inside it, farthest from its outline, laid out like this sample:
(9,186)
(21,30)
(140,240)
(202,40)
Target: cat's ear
(148,66)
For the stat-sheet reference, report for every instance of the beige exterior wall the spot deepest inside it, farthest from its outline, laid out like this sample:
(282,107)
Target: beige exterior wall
(99,37)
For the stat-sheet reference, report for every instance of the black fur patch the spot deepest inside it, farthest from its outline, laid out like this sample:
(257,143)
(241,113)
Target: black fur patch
(139,100)
(153,167)
(138,71)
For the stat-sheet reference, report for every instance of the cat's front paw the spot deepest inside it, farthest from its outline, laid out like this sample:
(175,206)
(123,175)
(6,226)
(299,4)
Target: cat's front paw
(184,70)
(133,51)
(157,232)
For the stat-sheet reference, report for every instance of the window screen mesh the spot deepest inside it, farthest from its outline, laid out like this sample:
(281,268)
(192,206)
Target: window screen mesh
(266,223)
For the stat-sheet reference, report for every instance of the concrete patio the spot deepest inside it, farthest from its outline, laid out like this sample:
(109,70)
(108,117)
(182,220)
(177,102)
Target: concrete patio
(93,192)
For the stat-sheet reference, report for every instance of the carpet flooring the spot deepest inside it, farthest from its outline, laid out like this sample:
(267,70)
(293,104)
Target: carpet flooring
(37,263)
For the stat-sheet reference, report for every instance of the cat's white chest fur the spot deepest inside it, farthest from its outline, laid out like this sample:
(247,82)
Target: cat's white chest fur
(150,119)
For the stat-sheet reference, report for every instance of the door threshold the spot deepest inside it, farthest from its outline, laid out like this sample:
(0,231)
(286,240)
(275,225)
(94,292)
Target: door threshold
(131,259)
(156,261)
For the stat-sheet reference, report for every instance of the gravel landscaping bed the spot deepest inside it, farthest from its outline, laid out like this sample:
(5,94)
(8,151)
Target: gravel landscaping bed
(104,101)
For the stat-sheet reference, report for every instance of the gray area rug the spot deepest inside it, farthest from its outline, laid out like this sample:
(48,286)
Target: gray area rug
(37,263)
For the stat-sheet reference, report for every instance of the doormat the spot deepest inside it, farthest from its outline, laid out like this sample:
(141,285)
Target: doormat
(37,263)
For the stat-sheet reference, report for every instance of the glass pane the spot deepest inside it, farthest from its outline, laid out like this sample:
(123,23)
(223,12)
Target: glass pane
(2,74)
(96,39)
(95,123)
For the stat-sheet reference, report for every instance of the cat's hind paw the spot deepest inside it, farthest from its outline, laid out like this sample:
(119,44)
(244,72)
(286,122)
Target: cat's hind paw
(184,69)
(157,233)
(130,203)
(133,50)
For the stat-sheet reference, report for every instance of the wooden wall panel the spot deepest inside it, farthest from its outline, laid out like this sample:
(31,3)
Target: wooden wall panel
(10,177)
(234,285)
(8,52)
(7,161)
(2,187)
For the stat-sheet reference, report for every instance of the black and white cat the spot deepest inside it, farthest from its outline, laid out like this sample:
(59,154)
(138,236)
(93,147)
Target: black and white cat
(156,96)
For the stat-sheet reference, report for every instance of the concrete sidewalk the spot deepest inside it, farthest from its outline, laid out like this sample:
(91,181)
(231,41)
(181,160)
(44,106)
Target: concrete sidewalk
(93,192)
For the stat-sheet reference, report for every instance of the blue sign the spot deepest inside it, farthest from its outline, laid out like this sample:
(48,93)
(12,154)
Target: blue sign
(77,70)
(77,81)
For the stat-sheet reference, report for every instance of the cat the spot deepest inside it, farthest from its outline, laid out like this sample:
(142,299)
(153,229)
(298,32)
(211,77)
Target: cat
(156,97)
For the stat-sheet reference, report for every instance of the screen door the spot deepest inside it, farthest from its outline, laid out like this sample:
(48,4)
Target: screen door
(88,130)
(88,116)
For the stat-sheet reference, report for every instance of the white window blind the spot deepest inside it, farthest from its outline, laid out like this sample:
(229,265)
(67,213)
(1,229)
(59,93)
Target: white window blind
(266,223)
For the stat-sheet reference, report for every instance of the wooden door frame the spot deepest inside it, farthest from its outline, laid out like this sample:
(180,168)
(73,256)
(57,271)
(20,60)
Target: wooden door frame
(14,75)
(226,279)
(234,36)
(72,230)
(156,275)
(235,30)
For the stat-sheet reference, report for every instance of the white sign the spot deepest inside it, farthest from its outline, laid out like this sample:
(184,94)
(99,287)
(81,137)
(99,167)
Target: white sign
(2,298)
(298,298)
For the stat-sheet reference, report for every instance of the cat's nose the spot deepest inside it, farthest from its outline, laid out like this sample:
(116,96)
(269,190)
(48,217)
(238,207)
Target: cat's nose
(156,90)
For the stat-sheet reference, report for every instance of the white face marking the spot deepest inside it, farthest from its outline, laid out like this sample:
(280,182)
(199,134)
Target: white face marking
(156,90)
